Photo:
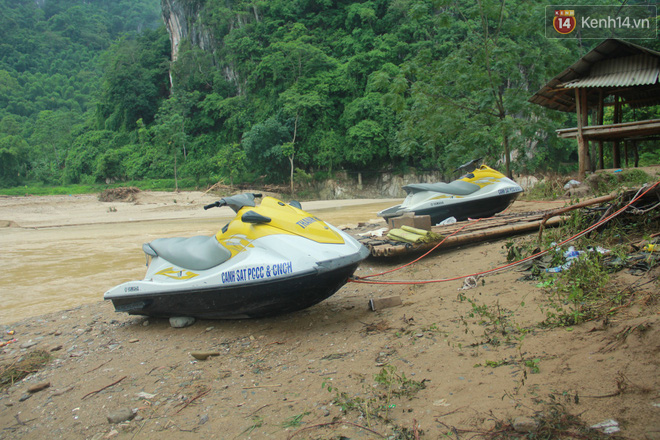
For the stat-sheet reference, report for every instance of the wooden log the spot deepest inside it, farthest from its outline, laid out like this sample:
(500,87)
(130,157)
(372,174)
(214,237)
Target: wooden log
(391,250)
(589,202)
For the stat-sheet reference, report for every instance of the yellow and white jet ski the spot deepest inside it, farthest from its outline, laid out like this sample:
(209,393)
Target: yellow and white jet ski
(481,192)
(270,259)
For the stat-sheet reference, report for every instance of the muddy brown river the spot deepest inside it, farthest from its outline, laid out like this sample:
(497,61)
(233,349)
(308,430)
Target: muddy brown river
(73,259)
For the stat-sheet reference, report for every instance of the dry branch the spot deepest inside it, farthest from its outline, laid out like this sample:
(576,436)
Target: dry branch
(101,389)
(200,394)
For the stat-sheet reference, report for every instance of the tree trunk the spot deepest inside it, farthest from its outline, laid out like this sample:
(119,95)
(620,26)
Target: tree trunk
(293,143)
(176,181)
(291,179)
(507,159)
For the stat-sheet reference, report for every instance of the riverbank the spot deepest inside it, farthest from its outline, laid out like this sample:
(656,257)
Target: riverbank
(62,251)
(448,360)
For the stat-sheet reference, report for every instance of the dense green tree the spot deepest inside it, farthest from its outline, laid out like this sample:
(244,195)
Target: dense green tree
(263,146)
(135,81)
(273,89)
(81,158)
(473,100)
(13,150)
(50,71)
(230,160)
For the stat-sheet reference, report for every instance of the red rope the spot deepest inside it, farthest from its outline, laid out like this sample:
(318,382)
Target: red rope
(363,280)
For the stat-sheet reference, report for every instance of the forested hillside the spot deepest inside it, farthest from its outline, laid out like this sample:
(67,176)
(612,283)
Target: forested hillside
(261,90)
(50,74)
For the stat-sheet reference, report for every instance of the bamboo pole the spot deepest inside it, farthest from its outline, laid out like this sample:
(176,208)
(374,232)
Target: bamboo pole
(389,250)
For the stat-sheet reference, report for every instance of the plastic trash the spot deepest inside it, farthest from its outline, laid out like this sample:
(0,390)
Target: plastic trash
(608,426)
(447,221)
(571,184)
(569,256)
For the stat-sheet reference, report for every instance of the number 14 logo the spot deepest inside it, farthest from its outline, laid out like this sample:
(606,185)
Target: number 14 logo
(564,21)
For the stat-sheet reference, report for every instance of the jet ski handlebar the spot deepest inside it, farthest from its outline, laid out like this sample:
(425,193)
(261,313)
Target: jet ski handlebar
(470,166)
(235,202)
(217,204)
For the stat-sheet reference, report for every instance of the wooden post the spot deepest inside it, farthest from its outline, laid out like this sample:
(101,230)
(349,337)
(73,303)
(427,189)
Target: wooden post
(599,121)
(580,104)
(616,153)
(585,123)
(593,155)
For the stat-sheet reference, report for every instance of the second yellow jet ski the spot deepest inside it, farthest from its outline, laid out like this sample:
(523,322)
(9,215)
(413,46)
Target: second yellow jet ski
(481,192)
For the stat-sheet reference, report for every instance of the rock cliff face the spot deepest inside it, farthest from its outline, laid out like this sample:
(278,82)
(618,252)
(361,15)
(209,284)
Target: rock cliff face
(386,185)
(183,21)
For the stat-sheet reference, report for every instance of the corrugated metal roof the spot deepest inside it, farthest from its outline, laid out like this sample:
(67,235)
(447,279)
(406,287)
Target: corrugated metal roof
(636,70)
(556,96)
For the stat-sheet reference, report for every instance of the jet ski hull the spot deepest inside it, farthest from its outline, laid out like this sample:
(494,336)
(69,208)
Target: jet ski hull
(270,274)
(253,300)
(479,208)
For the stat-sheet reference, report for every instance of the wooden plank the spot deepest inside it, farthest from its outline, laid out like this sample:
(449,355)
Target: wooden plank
(376,304)
(612,131)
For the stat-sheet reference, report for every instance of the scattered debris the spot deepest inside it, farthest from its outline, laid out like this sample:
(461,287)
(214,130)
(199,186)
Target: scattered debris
(122,194)
(101,389)
(408,234)
(377,327)
(572,184)
(203,355)
(608,426)
(38,387)
(469,283)
(181,321)
(26,365)
(5,343)
(525,424)
(374,233)
(57,393)
(448,221)
(121,415)
(384,303)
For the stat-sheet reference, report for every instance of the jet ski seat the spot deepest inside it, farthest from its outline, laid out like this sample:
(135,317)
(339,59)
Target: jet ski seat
(197,253)
(457,187)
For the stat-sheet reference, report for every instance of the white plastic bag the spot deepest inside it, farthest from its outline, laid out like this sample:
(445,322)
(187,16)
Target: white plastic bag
(447,221)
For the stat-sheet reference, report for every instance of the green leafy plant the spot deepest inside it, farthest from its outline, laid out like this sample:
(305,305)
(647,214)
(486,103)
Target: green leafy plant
(533,365)
(576,292)
(377,400)
(257,422)
(294,421)
(497,321)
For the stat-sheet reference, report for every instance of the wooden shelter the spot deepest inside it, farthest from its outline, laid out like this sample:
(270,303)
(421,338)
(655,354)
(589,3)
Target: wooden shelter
(615,73)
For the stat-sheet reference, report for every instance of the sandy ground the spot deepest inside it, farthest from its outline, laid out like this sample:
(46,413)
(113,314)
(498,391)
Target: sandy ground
(430,368)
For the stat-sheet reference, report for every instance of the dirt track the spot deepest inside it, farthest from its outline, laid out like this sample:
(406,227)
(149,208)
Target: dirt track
(274,377)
